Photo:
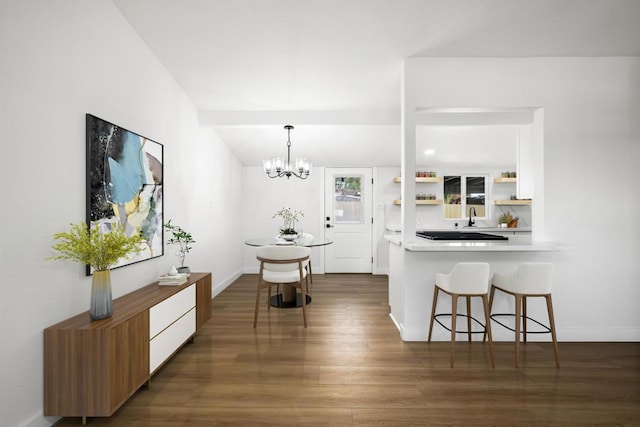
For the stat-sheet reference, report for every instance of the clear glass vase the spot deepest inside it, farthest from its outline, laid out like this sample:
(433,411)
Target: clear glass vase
(101,300)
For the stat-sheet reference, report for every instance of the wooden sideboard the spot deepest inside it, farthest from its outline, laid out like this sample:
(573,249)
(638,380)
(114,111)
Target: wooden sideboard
(92,367)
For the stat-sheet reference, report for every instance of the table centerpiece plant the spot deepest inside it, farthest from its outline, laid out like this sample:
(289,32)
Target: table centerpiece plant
(100,251)
(289,217)
(184,240)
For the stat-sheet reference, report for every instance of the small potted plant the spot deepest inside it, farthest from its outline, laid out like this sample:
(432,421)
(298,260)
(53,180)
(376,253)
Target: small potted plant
(184,241)
(100,251)
(289,218)
(504,219)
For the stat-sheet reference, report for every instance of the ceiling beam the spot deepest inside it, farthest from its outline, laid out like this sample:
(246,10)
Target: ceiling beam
(380,117)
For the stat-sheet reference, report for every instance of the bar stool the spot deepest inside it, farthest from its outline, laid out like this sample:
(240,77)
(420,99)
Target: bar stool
(529,280)
(467,279)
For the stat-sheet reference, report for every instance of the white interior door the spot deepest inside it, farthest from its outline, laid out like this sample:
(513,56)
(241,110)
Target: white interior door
(348,220)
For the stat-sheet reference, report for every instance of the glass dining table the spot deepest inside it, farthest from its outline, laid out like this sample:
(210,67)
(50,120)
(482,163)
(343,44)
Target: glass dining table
(304,240)
(289,298)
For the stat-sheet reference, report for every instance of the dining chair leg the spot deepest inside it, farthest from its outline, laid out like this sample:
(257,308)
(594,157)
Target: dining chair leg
(454,313)
(304,302)
(433,311)
(255,315)
(487,329)
(469,317)
(552,326)
(517,319)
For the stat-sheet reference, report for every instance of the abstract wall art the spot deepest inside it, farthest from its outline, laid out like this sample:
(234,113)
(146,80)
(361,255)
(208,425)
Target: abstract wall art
(124,185)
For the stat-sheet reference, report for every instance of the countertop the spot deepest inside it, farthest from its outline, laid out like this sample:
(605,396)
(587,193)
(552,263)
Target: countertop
(515,243)
(464,228)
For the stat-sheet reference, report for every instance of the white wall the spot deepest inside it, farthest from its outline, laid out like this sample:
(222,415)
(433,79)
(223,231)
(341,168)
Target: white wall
(212,200)
(591,157)
(61,60)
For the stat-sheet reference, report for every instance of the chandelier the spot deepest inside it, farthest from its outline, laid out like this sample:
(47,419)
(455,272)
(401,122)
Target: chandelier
(277,167)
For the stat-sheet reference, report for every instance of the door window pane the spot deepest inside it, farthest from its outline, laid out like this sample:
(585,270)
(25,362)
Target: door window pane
(347,202)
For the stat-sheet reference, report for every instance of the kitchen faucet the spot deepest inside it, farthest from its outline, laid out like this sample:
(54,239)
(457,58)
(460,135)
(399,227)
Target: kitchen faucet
(471,222)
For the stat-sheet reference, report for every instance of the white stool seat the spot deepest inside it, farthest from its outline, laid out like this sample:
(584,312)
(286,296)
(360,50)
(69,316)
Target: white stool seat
(468,279)
(529,280)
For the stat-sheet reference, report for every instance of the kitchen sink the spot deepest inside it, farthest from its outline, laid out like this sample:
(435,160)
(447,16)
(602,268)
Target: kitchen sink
(459,235)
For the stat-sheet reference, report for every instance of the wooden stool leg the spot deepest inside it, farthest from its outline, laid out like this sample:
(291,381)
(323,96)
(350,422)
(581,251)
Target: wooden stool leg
(454,309)
(487,329)
(469,318)
(552,325)
(493,291)
(517,318)
(433,311)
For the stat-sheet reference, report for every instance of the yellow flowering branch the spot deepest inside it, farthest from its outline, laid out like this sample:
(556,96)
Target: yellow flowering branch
(99,250)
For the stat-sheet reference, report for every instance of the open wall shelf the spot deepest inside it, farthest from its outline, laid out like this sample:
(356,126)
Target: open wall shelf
(433,179)
(421,202)
(505,180)
(523,202)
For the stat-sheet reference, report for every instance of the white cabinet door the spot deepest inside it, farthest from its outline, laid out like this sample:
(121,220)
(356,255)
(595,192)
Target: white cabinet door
(171,323)
(169,340)
(165,313)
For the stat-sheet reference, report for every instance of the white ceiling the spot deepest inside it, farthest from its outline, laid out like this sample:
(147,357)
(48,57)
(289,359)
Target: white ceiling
(332,68)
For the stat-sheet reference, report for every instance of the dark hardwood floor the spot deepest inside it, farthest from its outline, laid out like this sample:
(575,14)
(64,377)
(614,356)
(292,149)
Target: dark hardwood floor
(350,367)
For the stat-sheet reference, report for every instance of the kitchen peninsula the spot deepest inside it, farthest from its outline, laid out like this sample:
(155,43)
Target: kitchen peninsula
(413,264)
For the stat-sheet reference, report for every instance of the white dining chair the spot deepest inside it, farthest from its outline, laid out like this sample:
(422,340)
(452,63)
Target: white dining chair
(282,265)
(304,240)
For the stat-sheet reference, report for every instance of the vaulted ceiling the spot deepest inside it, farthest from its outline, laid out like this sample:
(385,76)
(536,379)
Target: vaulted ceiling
(332,68)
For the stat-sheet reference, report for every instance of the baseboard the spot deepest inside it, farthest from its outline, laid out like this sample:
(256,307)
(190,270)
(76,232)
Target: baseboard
(39,420)
(504,335)
(598,334)
(221,286)
(399,326)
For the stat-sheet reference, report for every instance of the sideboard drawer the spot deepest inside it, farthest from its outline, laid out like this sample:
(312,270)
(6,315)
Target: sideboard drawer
(169,340)
(168,311)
